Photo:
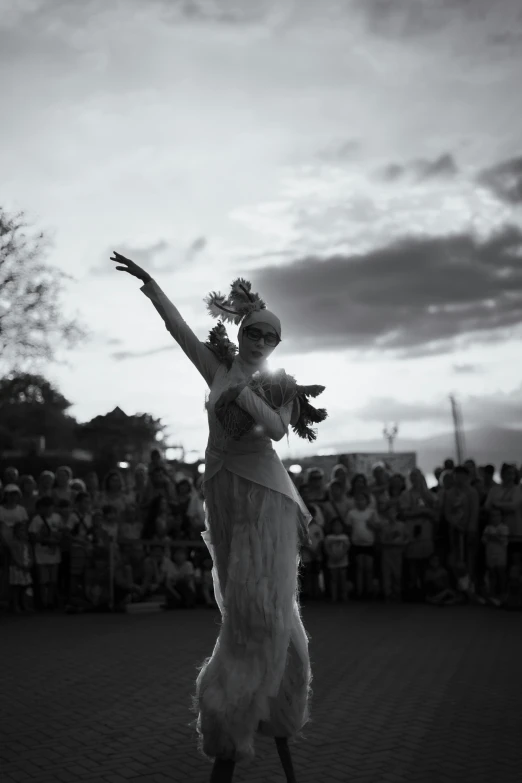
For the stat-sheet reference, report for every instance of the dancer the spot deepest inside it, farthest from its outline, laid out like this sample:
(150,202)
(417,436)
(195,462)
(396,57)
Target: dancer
(258,676)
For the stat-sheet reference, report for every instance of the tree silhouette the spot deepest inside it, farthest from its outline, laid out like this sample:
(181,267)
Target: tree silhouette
(30,406)
(32,326)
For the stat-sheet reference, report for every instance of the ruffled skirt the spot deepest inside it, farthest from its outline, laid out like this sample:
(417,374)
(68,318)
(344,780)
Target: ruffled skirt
(258,676)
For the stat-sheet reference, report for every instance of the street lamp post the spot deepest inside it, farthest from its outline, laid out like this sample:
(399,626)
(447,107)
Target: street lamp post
(390,434)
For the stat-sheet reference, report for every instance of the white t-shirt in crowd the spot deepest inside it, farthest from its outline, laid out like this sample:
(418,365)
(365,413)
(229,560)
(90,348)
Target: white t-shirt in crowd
(361,534)
(47,554)
(336,547)
(8,519)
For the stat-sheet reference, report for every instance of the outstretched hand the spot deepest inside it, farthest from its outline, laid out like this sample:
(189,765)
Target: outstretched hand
(126,265)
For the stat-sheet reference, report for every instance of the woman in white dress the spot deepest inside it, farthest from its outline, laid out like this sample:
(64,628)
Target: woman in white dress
(258,676)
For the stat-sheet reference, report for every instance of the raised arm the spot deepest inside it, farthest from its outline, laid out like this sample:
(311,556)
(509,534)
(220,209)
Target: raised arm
(201,357)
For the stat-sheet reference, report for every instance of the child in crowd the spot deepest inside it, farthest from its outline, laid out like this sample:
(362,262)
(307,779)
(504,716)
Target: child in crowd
(363,525)
(312,559)
(495,538)
(20,579)
(514,583)
(394,538)
(11,510)
(81,533)
(180,588)
(336,547)
(465,586)
(437,584)
(46,533)
(110,526)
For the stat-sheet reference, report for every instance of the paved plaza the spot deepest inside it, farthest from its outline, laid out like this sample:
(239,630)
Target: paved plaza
(411,694)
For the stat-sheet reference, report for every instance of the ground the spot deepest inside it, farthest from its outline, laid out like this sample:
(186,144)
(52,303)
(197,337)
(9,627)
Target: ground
(402,694)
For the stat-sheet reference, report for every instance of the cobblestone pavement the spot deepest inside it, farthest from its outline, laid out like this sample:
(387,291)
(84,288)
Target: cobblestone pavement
(407,694)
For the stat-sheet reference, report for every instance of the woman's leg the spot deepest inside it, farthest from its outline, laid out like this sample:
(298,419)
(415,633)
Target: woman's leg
(368,575)
(222,771)
(283,750)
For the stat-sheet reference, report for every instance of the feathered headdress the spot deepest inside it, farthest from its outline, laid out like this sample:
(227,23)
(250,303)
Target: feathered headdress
(238,304)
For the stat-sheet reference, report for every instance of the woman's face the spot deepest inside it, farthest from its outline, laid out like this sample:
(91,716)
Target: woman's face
(46,482)
(252,346)
(416,479)
(359,482)
(395,487)
(62,478)
(28,486)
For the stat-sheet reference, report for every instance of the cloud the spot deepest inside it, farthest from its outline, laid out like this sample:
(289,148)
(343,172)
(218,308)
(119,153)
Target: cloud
(466,369)
(196,248)
(443,167)
(121,356)
(505,180)
(501,409)
(415,296)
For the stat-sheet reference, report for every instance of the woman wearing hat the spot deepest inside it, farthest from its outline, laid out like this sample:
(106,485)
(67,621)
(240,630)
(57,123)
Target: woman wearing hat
(258,677)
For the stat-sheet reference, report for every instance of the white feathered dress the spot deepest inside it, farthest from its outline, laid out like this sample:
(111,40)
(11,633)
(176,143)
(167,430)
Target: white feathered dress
(258,677)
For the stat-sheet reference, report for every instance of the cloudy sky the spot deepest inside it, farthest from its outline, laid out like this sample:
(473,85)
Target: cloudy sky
(359,160)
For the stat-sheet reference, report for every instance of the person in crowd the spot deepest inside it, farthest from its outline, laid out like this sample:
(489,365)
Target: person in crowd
(506,497)
(465,585)
(12,510)
(495,539)
(487,474)
(207,584)
(97,582)
(92,486)
(313,508)
(81,533)
(125,589)
(77,485)
(46,529)
(437,473)
(20,578)
(396,486)
(314,480)
(475,479)
(514,583)
(138,494)
(359,483)
(131,528)
(188,509)
(11,475)
(337,505)
(180,588)
(437,584)
(340,474)
(62,484)
(394,538)
(111,523)
(113,493)
(29,490)
(461,511)
(449,464)
(63,508)
(379,484)
(46,481)
(418,510)
(312,561)
(160,520)
(336,548)
(153,572)
(363,525)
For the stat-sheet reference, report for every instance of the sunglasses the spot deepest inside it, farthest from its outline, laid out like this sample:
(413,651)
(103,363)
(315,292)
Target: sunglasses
(270,338)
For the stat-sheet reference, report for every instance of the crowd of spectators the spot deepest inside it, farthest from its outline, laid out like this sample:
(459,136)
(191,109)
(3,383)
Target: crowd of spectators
(392,538)
(70,544)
